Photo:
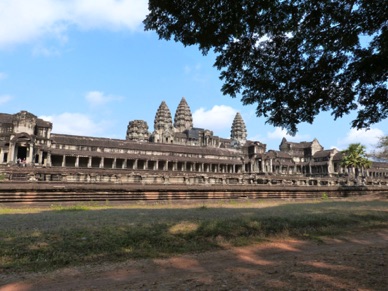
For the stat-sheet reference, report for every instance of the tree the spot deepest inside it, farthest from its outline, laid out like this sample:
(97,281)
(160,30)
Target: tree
(382,149)
(355,157)
(293,58)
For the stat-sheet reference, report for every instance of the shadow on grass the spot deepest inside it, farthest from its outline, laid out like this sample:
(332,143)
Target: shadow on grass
(76,235)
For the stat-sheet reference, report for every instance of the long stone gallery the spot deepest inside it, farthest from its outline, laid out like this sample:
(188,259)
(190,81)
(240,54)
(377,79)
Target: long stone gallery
(174,161)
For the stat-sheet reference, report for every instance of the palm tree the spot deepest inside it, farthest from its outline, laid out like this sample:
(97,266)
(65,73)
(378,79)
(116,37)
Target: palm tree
(355,157)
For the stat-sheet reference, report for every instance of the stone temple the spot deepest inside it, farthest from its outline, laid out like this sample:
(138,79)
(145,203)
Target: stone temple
(174,152)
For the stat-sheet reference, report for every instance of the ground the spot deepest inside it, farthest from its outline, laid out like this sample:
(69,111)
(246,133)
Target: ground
(351,262)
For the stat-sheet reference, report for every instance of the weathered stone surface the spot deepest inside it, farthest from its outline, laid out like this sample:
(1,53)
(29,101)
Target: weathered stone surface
(138,131)
(181,157)
(163,128)
(183,119)
(239,130)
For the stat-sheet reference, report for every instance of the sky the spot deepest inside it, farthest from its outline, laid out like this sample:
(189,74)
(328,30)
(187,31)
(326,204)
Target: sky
(90,68)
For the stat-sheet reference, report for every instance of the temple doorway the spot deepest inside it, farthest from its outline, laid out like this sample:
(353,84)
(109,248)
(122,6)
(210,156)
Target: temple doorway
(22,152)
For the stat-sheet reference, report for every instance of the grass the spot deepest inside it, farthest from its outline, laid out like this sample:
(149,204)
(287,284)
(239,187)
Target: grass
(38,239)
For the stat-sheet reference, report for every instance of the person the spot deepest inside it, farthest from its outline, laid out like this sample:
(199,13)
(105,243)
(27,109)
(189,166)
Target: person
(19,160)
(24,162)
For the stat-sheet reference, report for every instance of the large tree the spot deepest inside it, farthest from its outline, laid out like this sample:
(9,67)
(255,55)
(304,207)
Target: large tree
(292,58)
(382,149)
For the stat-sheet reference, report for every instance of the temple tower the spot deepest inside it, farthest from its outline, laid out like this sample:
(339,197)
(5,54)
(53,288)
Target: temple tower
(183,119)
(163,128)
(138,131)
(239,130)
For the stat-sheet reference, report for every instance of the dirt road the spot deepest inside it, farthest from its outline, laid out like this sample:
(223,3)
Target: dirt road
(355,262)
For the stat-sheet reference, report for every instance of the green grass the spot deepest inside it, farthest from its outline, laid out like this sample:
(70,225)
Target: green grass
(38,239)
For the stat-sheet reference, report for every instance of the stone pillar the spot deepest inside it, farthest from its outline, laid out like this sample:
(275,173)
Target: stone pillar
(166,166)
(114,163)
(145,166)
(48,161)
(101,163)
(76,161)
(30,154)
(135,164)
(64,161)
(124,165)
(11,152)
(270,166)
(89,162)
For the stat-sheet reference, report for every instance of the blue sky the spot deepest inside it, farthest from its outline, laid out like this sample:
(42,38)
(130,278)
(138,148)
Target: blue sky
(89,67)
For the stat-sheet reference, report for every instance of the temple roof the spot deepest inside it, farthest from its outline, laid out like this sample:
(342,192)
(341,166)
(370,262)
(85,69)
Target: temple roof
(239,130)
(183,119)
(163,119)
(133,145)
(10,118)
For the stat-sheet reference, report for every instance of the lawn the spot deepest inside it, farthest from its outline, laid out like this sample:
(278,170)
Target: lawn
(50,237)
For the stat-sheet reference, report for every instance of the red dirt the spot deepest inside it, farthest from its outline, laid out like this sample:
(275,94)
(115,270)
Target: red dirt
(355,262)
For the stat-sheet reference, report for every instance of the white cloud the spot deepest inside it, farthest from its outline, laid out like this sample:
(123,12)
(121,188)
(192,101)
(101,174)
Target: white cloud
(40,50)
(220,117)
(279,133)
(25,20)
(368,138)
(76,124)
(187,69)
(97,98)
(112,14)
(3,76)
(192,69)
(4,99)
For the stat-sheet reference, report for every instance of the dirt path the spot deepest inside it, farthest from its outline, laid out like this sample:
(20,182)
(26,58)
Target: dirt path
(357,262)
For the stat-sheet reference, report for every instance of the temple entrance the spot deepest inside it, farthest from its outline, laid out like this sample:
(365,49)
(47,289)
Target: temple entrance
(22,152)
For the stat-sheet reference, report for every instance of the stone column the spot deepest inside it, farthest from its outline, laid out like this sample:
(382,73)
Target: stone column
(89,162)
(124,165)
(30,154)
(101,163)
(40,157)
(270,166)
(64,161)
(48,161)
(76,161)
(114,163)
(135,164)
(11,152)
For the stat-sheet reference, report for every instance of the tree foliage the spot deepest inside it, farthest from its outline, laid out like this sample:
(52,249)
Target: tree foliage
(292,58)
(355,157)
(382,149)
